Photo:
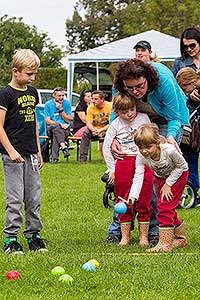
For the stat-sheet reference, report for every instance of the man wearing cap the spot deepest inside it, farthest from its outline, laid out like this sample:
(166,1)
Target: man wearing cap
(58,115)
(143,51)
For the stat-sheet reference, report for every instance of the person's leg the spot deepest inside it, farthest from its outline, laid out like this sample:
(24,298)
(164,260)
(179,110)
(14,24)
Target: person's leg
(84,146)
(32,190)
(193,177)
(55,144)
(124,172)
(153,225)
(143,206)
(14,189)
(60,135)
(167,215)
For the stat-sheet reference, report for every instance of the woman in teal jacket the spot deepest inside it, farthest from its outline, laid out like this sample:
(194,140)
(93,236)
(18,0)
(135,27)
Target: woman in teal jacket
(155,84)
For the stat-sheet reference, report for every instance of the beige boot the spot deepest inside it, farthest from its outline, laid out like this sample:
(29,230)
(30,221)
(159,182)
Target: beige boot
(126,234)
(180,239)
(143,234)
(166,237)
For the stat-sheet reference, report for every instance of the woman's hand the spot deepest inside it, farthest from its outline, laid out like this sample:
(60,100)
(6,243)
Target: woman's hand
(172,141)
(116,150)
(166,192)
(195,95)
(111,178)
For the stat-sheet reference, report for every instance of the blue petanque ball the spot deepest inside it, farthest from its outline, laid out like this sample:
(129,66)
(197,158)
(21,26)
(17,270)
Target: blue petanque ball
(88,266)
(120,208)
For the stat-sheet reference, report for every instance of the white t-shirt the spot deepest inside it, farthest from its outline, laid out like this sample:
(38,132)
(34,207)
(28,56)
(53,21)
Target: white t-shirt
(123,131)
(171,165)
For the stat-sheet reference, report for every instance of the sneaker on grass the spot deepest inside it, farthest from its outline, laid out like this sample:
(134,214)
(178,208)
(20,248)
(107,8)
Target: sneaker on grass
(36,243)
(11,245)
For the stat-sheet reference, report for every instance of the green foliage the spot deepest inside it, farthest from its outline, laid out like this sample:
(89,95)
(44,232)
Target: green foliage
(103,21)
(48,78)
(75,227)
(15,34)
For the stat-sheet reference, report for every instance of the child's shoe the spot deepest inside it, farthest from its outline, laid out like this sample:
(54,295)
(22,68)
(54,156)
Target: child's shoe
(143,234)
(36,243)
(126,234)
(11,245)
(65,152)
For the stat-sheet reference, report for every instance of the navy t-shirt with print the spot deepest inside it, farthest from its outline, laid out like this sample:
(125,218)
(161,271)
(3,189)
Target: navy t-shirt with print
(20,119)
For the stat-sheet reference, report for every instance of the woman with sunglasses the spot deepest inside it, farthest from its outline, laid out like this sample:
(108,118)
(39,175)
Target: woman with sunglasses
(190,57)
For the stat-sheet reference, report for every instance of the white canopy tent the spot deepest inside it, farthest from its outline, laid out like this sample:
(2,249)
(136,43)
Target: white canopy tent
(165,47)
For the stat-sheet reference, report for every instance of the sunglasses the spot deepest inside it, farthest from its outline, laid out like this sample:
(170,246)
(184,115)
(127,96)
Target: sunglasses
(191,46)
(58,89)
(136,87)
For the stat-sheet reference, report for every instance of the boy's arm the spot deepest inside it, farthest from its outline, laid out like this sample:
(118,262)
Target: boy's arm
(14,155)
(40,158)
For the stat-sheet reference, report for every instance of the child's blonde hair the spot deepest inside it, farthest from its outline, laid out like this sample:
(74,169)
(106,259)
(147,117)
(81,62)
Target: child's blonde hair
(25,58)
(147,134)
(187,79)
(123,102)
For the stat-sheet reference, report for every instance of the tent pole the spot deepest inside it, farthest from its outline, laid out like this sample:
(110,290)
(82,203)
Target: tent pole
(70,79)
(97,70)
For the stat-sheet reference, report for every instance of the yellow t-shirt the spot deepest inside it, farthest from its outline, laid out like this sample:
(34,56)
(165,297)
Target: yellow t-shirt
(99,117)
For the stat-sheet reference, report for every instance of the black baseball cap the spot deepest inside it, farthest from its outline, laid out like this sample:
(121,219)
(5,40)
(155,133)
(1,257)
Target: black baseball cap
(142,44)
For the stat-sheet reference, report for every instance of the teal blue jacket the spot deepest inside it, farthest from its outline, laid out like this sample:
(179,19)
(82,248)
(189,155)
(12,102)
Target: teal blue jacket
(168,100)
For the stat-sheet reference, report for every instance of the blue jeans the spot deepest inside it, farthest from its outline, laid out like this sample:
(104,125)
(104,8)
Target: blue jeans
(193,160)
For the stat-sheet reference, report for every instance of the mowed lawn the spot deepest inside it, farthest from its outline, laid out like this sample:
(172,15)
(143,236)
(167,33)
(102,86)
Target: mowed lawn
(75,227)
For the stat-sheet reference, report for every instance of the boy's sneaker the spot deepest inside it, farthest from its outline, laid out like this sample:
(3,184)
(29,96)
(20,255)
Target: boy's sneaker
(11,245)
(36,243)
(65,152)
(113,239)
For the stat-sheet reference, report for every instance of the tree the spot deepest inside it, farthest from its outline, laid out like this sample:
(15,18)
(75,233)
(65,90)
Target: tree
(15,34)
(100,24)
(103,21)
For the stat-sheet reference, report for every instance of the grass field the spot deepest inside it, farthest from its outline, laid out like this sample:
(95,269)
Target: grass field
(75,224)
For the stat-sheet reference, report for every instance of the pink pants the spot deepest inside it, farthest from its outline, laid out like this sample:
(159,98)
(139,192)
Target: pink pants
(167,215)
(124,173)
(80,131)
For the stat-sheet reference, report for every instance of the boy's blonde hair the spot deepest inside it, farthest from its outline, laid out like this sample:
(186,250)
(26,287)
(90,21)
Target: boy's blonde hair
(147,134)
(123,102)
(25,58)
(187,79)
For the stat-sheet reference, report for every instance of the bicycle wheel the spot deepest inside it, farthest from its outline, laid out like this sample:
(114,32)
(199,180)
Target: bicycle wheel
(109,198)
(189,197)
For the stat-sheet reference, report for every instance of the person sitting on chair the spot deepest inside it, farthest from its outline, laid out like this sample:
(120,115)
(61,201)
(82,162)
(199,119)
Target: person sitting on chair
(57,113)
(98,114)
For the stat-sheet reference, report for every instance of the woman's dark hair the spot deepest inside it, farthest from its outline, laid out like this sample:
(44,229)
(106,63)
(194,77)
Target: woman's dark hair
(134,69)
(82,95)
(189,34)
(81,98)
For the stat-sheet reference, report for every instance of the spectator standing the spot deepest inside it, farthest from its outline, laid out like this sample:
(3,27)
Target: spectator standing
(79,120)
(21,153)
(190,57)
(98,114)
(58,115)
